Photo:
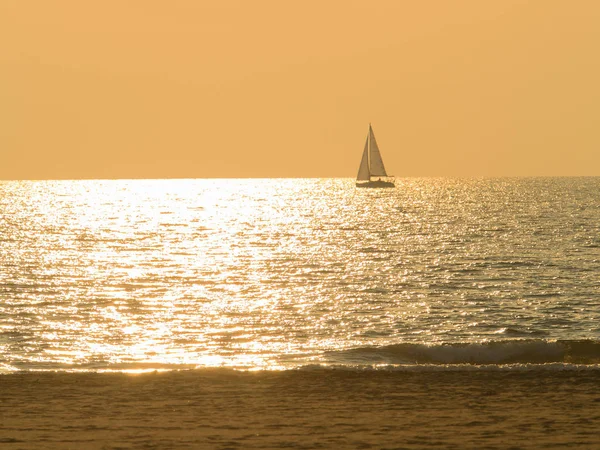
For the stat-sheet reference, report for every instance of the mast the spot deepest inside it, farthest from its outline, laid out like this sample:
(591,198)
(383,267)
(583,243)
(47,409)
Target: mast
(369,139)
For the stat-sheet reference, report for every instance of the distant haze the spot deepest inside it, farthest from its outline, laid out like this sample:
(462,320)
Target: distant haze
(192,88)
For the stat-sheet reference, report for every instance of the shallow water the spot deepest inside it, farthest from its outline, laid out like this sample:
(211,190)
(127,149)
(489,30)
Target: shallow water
(282,273)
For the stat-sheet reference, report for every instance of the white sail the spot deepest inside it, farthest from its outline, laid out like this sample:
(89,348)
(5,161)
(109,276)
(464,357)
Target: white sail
(371,165)
(377,168)
(363,170)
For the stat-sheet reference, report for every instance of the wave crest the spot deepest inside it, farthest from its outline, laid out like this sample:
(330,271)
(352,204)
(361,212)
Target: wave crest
(525,351)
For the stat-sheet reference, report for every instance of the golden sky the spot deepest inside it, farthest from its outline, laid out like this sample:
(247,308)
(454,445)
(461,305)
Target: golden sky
(283,88)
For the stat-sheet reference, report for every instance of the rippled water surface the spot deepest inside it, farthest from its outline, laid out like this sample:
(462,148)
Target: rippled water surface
(284,273)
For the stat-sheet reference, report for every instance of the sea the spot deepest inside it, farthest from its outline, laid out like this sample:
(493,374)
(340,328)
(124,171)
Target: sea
(298,274)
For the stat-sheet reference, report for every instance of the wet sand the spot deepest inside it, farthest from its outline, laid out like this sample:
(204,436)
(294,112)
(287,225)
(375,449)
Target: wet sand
(222,409)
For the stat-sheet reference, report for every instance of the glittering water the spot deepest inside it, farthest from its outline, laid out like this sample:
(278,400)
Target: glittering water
(285,273)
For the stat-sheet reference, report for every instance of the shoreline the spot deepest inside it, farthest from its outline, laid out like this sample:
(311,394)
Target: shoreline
(216,408)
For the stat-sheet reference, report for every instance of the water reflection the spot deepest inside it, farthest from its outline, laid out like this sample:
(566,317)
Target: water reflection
(269,273)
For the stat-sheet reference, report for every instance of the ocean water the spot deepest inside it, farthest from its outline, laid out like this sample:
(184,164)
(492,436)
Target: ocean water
(131,275)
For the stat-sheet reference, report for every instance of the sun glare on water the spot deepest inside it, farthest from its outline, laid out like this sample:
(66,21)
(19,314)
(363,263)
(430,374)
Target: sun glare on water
(182,273)
(155,274)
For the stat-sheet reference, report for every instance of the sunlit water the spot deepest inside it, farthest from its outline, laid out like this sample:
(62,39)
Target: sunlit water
(135,274)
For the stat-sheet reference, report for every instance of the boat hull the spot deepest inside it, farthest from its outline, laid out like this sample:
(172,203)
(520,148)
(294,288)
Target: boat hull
(375,184)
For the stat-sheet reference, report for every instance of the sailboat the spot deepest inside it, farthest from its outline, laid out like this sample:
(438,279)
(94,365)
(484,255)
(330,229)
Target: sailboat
(371,173)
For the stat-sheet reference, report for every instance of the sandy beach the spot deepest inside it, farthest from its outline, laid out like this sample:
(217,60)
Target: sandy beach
(223,409)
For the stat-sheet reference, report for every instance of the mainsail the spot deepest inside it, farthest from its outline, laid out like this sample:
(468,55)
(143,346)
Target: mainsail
(377,168)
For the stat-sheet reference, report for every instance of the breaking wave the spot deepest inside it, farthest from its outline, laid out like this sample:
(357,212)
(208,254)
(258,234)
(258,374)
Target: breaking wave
(526,351)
